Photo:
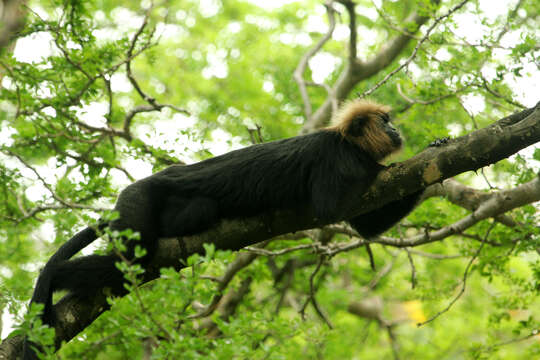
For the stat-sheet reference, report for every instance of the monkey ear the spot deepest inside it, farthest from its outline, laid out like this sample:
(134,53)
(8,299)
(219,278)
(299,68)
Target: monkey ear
(356,126)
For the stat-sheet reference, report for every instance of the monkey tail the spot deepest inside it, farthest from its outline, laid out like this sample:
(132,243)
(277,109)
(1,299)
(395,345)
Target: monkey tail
(43,292)
(85,275)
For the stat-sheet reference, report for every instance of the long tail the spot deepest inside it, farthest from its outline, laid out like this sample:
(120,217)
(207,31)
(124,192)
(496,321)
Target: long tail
(43,292)
(85,275)
(44,286)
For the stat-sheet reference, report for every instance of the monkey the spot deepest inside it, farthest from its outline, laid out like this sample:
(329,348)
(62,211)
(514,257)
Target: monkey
(316,169)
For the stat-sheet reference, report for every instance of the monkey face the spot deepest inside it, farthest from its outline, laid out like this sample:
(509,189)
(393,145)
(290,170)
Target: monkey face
(367,124)
(390,130)
(375,124)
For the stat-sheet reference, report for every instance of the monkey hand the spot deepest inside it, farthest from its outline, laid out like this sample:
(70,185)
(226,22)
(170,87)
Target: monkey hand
(439,142)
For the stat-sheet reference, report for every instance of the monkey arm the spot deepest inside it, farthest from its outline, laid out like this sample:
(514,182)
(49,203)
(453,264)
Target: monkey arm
(379,220)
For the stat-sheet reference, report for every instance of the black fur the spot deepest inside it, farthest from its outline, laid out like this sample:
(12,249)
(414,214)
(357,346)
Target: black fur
(317,169)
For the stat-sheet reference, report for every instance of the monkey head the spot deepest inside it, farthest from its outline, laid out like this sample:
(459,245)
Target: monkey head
(367,124)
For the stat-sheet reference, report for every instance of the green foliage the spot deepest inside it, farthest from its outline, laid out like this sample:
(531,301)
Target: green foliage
(36,332)
(69,140)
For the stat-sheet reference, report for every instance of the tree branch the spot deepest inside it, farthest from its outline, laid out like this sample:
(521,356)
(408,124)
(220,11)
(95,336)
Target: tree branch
(302,65)
(499,203)
(12,19)
(466,197)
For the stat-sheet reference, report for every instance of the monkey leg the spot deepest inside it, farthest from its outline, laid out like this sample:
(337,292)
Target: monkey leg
(379,220)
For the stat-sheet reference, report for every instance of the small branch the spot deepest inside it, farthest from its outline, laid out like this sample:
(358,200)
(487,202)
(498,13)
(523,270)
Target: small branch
(302,65)
(370,256)
(272,253)
(255,135)
(130,76)
(390,23)
(371,309)
(241,261)
(497,95)
(331,94)
(533,333)
(154,105)
(381,274)
(312,297)
(415,51)
(145,310)
(413,268)
(433,256)
(350,5)
(110,98)
(17,87)
(428,102)
(498,204)
(49,188)
(392,337)
(227,307)
(463,282)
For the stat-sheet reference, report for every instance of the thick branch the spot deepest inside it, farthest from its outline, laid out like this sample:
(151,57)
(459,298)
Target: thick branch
(465,197)
(467,153)
(12,19)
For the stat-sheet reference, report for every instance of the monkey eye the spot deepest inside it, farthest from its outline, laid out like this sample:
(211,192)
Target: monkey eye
(385,117)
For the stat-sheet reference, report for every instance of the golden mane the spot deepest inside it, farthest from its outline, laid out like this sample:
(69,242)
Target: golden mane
(351,109)
(374,139)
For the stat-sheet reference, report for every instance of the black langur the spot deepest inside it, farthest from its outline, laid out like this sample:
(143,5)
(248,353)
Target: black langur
(317,169)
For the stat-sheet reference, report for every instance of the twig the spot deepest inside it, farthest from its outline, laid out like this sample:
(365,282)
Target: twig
(433,256)
(312,297)
(350,5)
(370,255)
(255,135)
(390,23)
(513,341)
(144,310)
(415,51)
(265,252)
(413,268)
(330,91)
(427,102)
(301,68)
(130,76)
(463,282)
(242,260)
(154,105)
(49,188)
(393,340)
(381,273)
(496,94)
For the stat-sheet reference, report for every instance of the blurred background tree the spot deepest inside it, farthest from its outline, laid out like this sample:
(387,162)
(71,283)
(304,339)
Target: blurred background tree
(97,94)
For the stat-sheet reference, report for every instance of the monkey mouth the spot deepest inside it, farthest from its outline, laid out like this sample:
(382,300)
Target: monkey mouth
(397,142)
